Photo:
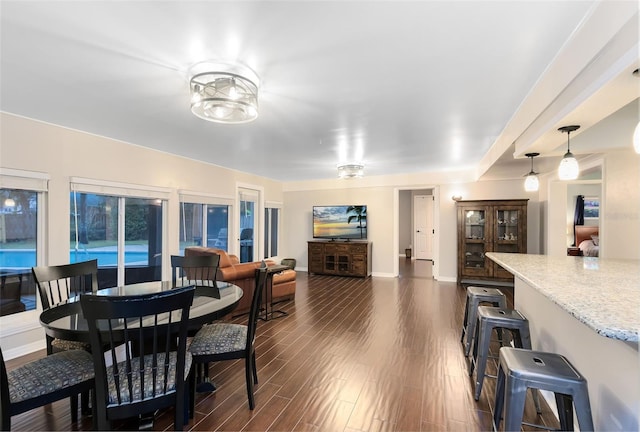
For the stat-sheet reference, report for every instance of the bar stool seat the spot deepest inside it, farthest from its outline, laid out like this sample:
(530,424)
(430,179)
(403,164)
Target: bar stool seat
(520,369)
(476,296)
(493,318)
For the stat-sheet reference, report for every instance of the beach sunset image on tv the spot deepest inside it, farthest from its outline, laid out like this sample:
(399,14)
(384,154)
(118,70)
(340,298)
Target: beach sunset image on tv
(343,222)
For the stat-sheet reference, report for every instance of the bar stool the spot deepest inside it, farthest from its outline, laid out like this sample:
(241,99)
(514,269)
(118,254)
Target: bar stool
(521,369)
(475,296)
(493,318)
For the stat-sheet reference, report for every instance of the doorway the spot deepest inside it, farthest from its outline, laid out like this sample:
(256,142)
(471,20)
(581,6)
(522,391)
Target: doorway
(423,226)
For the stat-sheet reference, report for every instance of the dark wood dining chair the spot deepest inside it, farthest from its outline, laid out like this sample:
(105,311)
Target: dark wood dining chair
(146,336)
(58,283)
(200,270)
(46,380)
(55,285)
(228,341)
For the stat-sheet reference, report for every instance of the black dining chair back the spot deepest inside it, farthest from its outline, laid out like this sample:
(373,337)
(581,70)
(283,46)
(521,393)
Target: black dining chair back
(199,270)
(55,285)
(58,283)
(228,341)
(44,381)
(146,336)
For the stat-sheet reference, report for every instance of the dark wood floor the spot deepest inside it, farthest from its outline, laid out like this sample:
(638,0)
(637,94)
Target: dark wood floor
(353,355)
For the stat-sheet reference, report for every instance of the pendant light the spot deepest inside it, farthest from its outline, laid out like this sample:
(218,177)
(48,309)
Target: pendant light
(568,169)
(531,182)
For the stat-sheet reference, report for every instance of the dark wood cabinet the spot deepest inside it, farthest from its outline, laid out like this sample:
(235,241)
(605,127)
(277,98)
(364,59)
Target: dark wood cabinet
(341,258)
(489,226)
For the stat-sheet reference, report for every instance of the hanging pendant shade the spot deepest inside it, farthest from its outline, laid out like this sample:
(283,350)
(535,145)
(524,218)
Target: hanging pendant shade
(531,182)
(569,168)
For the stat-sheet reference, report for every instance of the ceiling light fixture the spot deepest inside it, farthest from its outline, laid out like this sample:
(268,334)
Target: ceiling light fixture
(568,169)
(9,202)
(636,132)
(531,182)
(224,93)
(350,170)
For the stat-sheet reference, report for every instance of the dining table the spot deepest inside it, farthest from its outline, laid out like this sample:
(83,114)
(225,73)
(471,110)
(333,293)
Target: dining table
(66,321)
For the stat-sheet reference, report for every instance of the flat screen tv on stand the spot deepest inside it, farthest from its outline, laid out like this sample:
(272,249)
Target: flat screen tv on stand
(340,222)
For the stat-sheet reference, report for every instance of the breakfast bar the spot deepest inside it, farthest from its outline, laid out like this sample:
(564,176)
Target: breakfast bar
(587,309)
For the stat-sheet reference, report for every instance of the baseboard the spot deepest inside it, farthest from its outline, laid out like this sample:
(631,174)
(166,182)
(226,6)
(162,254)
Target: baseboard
(486,283)
(24,349)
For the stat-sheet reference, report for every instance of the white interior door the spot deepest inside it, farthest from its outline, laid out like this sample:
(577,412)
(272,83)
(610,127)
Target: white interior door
(423,223)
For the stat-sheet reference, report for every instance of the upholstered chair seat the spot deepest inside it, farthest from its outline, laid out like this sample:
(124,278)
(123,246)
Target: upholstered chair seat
(219,338)
(49,374)
(121,369)
(68,345)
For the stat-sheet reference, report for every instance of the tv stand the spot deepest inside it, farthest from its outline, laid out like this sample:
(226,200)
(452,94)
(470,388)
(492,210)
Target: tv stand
(347,258)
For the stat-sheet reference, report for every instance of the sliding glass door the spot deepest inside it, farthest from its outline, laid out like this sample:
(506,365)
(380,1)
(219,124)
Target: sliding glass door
(124,234)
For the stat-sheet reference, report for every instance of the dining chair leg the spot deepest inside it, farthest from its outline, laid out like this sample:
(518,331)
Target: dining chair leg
(254,368)
(74,407)
(249,378)
(192,392)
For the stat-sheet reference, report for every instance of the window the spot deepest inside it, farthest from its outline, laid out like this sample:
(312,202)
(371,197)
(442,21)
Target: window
(271,231)
(204,221)
(121,225)
(18,249)
(128,249)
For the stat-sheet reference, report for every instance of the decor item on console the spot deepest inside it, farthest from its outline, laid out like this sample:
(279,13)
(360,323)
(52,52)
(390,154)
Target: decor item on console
(243,275)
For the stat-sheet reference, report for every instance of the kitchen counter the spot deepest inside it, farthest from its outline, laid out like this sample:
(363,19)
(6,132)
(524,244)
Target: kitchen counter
(588,310)
(603,294)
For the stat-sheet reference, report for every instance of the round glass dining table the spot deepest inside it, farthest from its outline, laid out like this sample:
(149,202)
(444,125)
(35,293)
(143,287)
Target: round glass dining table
(66,321)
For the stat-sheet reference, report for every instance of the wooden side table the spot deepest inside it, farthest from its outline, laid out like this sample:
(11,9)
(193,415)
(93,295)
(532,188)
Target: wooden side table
(574,251)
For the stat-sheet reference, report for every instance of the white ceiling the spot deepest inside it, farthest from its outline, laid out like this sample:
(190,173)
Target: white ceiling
(406,87)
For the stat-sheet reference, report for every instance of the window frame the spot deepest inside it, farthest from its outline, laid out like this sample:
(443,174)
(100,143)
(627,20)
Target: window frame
(37,182)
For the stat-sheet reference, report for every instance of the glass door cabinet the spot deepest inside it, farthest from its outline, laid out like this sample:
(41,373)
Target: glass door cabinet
(489,226)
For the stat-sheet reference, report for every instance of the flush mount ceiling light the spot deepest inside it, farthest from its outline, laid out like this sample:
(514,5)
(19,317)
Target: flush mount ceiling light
(531,182)
(568,169)
(224,93)
(350,170)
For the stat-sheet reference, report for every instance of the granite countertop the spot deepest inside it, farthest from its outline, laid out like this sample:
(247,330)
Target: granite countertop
(602,293)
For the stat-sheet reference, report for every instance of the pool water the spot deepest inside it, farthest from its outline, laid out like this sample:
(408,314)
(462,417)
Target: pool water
(25,258)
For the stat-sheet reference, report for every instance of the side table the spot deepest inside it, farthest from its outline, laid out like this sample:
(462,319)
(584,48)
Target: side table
(269,312)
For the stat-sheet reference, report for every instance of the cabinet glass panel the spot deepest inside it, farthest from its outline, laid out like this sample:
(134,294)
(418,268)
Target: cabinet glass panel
(474,224)
(506,231)
(474,221)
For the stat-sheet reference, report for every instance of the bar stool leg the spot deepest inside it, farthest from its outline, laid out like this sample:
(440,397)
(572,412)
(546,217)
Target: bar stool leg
(564,404)
(498,404)
(465,320)
(515,396)
(583,409)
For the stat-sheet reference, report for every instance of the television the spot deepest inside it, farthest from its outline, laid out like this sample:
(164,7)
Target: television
(345,222)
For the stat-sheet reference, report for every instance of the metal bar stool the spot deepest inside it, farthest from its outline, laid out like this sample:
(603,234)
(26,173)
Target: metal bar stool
(475,296)
(520,369)
(493,318)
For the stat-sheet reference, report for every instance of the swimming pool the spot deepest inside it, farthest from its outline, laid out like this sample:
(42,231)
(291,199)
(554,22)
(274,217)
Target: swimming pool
(26,258)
